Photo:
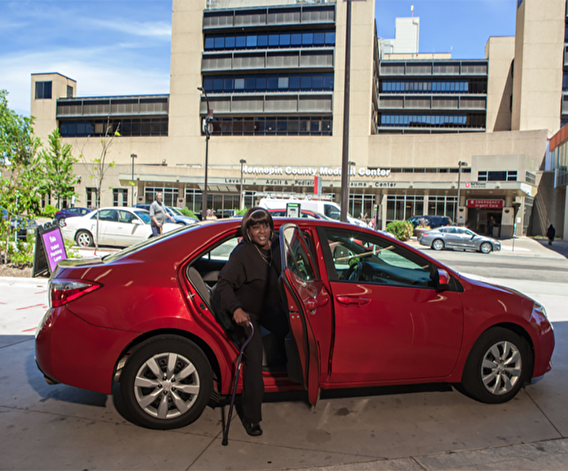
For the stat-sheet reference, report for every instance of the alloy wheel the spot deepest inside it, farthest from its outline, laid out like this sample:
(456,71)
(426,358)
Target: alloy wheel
(501,368)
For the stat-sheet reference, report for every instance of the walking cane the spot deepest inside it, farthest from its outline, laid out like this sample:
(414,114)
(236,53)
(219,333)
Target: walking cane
(225,441)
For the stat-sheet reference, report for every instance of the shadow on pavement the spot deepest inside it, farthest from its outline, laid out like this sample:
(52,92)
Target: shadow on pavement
(558,246)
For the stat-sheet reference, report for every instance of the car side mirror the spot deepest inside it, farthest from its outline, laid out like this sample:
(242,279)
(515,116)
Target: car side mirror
(443,280)
(137,222)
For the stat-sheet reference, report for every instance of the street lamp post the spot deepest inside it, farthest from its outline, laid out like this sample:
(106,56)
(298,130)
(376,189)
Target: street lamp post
(207,129)
(133,156)
(350,164)
(460,164)
(242,199)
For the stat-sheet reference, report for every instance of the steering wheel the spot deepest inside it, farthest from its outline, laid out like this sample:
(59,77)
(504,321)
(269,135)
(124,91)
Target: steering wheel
(354,272)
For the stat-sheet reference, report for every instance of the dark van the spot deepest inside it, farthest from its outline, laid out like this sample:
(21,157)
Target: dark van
(433,221)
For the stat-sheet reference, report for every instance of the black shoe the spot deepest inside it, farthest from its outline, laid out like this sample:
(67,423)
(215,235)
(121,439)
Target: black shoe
(252,429)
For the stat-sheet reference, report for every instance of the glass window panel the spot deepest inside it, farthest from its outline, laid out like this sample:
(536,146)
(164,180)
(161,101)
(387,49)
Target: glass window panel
(228,85)
(250,83)
(260,83)
(229,42)
(63,128)
(315,125)
(330,38)
(306,82)
(262,40)
(251,41)
(282,126)
(294,83)
(239,84)
(319,39)
(273,40)
(219,42)
(296,39)
(248,126)
(80,128)
(317,82)
(285,40)
(307,39)
(304,125)
(209,43)
(237,126)
(293,126)
(208,84)
(272,83)
(218,84)
(270,125)
(283,83)
(227,126)
(241,42)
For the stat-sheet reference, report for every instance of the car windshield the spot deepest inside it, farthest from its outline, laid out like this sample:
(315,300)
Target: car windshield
(176,211)
(144,216)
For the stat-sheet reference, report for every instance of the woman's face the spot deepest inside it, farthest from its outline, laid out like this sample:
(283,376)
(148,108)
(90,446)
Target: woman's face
(260,234)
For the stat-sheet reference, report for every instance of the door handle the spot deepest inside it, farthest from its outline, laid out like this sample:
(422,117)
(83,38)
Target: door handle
(352,300)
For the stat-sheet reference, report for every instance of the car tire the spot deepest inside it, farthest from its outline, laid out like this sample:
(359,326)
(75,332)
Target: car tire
(61,222)
(181,364)
(438,244)
(485,248)
(498,365)
(84,239)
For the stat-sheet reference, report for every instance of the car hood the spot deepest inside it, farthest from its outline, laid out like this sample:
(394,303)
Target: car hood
(491,286)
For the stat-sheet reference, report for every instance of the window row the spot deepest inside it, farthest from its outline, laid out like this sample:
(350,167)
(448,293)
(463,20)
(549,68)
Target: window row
(433,120)
(434,86)
(125,127)
(43,90)
(228,42)
(497,176)
(268,83)
(273,126)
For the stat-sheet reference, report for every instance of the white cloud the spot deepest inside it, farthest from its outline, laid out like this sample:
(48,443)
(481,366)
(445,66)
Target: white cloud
(158,29)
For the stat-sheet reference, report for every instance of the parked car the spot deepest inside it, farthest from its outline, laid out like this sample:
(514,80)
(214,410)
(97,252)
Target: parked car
(453,237)
(20,224)
(178,216)
(364,310)
(65,213)
(433,221)
(117,226)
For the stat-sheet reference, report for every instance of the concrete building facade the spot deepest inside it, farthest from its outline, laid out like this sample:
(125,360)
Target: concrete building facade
(274,70)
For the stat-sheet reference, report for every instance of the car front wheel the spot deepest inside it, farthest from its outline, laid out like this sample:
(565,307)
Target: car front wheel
(84,239)
(166,383)
(61,222)
(486,247)
(498,365)
(438,244)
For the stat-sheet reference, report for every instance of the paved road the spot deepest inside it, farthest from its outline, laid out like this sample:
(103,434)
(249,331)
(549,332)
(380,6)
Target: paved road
(60,427)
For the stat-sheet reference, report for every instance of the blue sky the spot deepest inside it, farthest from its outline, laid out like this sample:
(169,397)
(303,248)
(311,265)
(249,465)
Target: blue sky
(119,47)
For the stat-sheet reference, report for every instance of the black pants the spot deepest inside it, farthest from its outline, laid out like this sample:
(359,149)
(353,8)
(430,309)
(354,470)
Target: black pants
(253,385)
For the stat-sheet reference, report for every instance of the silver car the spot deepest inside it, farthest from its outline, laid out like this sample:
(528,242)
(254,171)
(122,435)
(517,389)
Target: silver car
(452,237)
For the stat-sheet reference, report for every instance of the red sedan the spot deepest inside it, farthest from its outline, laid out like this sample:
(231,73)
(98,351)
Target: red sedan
(364,310)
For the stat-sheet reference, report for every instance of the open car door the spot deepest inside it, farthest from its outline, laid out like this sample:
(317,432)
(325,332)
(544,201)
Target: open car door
(307,299)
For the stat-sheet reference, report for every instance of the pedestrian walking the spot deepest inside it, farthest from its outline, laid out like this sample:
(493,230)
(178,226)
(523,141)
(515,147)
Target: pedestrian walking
(550,233)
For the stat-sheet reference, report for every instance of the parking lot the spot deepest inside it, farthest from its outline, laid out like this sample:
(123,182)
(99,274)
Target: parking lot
(433,427)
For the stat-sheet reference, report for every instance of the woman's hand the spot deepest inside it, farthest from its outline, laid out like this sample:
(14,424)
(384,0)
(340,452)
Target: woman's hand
(241,317)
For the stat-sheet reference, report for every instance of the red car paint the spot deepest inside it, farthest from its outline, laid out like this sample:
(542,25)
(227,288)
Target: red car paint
(351,334)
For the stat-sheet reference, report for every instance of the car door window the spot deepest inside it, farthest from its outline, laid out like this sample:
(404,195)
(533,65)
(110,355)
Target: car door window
(125,217)
(360,257)
(108,215)
(297,257)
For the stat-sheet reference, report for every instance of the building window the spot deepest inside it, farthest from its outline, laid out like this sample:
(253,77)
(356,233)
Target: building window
(120,197)
(312,82)
(43,90)
(92,200)
(530,178)
(263,40)
(403,207)
(361,206)
(169,195)
(101,127)
(69,91)
(273,126)
(432,120)
(497,176)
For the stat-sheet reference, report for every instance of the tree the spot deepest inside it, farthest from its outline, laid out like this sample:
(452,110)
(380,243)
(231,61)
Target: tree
(99,166)
(21,176)
(58,161)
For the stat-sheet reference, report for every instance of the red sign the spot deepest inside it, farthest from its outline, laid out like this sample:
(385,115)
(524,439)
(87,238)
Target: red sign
(485,204)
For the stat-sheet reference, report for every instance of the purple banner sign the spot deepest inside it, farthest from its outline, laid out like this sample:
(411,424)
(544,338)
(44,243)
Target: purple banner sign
(54,248)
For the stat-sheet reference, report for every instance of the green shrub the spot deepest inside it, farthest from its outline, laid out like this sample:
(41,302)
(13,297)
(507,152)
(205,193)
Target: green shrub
(188,212)
(70,250)
(402,230)
(242,212)
(49,211)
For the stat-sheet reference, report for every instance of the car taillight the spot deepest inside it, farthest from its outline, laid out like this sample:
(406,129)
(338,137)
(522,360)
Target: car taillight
(424,234)
(64,291)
